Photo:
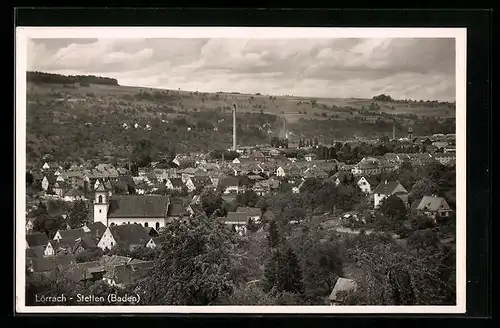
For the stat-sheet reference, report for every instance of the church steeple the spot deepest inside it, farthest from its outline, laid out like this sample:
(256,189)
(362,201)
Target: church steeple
(101,205)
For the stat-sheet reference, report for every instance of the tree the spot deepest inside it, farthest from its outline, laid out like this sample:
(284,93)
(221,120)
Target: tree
(211,202)
(252,226)
(393,207)
(421,188)
(192,267)
(393,276)
(29,178)
(142,153)
(282,272)
(78,214)
(273,236)
(247,198)
(89,255)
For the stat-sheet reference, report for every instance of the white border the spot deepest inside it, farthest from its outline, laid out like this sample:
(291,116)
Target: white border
(24,33)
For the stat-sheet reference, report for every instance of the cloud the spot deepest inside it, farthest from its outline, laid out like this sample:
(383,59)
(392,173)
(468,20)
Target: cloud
(403,68)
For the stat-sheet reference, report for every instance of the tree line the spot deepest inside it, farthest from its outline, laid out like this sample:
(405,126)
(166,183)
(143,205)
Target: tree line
(41,77)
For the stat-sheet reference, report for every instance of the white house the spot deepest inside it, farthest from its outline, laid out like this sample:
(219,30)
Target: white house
(131,236)
(280,172)
(386,189)
(364,185)
(434,207)
(310,157)
(236,161)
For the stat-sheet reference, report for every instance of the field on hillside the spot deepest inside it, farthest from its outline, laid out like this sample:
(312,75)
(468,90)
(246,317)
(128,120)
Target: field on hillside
(102,121)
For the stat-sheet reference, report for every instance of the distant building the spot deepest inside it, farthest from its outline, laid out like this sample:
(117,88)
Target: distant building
(434,207)
(386,189)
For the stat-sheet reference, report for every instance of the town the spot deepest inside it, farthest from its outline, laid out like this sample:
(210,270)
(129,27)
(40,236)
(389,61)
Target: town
(296,221)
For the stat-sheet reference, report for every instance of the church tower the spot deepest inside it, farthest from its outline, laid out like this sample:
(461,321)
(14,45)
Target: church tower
(101,205)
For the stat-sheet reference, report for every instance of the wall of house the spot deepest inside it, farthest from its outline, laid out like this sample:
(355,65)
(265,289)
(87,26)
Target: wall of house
(107,240)
(231,189)
(101,213)
(150,221)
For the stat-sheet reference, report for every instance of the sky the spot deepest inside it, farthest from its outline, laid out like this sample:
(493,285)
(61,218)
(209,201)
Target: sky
(404,68)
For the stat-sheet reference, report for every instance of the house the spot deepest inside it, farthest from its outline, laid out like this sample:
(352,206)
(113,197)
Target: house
(342,177)
(86,271)
(198,182)
(188,173)
(73,195)
(175,184)
(131,236)
(94,230)
(122,271)
(252,212)
(309,157)
(236,161)
(386,189)
(49,265)
(343,285)
(315,172)
(280,172)
(73,234)
(36,239)
(446,158)
(48,181)
(35,252)
(364,185)
(440,144)
(59,188)
(434,207)
(367,166)
(59,247)
(229,185)
(177,211)
(422,159)
(237,221)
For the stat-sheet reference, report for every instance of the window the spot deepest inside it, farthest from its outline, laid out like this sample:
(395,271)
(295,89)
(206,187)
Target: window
(100,201)
(111,243)
(157,226)
(100,211)
(146,224)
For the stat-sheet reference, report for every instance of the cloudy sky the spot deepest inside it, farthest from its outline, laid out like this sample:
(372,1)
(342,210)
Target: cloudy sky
(403,68)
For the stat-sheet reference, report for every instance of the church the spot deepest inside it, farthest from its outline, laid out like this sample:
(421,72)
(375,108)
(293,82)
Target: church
(153,211)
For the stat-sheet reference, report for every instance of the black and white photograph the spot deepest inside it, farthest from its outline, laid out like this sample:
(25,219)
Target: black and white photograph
(280,170)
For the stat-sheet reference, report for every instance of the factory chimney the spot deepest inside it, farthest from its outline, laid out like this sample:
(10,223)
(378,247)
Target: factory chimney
(393,129)
(234,127)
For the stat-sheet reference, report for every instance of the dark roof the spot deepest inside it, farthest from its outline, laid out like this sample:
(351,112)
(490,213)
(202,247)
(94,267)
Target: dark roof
(100,187)
(143,206)
(237,217)
(201,180)
(35,252)
(227,182)
(151,232)
(386,187)
(177,182)
(74,192)
(176,209)
(37,239)
(83,271)
(86,243)
(73,234)
(50,263)
(96,229)
(130,234)
(249,210)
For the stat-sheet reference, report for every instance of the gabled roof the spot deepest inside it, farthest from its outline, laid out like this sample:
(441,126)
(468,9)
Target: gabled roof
(201,180)
(342,284)
(177,182)
(228,182)
(237,217)
(433,204)
(386,187)
(141,206)
(176,209)
(37,239)
(50,263)
(84,270)
(101,187)
(74,193)
(96,229)
(249,210)
(35,252)
(73,234)
(130,234)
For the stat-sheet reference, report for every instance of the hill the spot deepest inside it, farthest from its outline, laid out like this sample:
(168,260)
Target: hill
(106,120)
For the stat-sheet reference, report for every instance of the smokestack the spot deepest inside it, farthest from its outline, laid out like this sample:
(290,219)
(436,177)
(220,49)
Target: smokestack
(393,130)
(234,127)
